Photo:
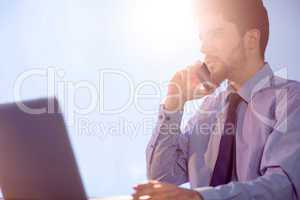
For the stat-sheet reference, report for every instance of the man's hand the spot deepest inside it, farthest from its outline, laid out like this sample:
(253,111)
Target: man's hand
(162,191)
(188,84)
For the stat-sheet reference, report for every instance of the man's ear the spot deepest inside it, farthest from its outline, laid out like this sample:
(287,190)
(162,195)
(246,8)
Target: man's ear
(252,39)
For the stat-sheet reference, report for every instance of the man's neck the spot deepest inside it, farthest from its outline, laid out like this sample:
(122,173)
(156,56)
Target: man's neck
(241,75)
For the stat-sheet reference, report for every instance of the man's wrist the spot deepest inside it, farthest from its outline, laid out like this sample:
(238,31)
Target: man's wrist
(200,196)
(174,103)
(197,196)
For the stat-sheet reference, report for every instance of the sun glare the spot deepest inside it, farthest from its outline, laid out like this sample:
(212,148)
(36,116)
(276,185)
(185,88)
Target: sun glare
(164,22)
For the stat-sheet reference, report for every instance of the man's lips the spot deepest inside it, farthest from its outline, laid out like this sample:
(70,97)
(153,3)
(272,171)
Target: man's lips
(210,66)
(210,62)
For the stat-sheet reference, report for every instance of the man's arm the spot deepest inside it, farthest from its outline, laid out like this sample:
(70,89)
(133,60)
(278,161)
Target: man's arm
(167,151)
(273,185)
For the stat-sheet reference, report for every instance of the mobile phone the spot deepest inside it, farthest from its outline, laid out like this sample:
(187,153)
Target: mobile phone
(205,77)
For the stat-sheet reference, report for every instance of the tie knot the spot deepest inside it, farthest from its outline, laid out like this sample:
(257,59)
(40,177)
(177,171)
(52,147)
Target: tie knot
(234,99)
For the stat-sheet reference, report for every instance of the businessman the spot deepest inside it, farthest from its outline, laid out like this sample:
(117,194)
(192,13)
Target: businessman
(244,142)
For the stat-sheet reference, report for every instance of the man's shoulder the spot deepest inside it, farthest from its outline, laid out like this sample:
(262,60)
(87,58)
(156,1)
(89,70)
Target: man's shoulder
(287,86)
(281,93)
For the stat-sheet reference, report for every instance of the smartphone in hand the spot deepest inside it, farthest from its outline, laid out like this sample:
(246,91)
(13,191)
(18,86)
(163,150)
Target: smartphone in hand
(205,77)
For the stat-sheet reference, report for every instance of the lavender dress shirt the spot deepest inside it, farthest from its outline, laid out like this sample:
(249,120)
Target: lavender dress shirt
(267,142)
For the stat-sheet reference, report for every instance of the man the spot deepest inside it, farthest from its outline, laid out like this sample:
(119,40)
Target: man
(244,143)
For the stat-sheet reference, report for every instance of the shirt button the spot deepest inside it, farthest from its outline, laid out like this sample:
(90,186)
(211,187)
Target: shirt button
(168,118)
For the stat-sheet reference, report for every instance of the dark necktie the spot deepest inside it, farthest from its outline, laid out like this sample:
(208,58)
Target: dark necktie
(225,163)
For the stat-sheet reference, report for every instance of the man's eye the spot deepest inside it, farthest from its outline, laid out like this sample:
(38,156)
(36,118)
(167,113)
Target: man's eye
(210,35)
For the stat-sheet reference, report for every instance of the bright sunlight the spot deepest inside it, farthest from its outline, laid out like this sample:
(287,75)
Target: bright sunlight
(164,23)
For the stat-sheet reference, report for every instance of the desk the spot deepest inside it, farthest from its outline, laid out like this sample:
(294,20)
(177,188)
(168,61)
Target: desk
(114,198)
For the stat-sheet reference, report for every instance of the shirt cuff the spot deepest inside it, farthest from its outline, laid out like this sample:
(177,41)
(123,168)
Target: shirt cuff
(168,124)
(171,119)
(207,193)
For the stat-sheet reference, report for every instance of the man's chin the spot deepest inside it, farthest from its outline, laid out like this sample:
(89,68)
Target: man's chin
(217,79)
(217,73)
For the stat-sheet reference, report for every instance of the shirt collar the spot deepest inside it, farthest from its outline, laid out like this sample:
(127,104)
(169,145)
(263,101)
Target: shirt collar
(261,80)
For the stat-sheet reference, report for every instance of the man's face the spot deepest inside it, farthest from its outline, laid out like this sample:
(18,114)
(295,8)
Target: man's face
(222,45)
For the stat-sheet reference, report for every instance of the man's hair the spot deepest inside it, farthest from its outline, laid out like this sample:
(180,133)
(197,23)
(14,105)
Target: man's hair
(246,14)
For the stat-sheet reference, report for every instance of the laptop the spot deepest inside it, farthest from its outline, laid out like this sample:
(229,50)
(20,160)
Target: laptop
(36,157)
